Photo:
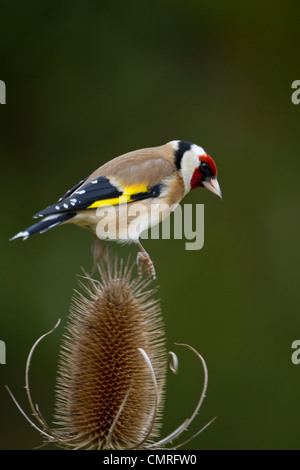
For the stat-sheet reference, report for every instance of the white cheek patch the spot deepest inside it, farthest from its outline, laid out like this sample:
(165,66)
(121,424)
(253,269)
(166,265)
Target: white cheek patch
(189,163)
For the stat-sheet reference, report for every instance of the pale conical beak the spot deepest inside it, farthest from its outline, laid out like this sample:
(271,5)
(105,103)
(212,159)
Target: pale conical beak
(213,186)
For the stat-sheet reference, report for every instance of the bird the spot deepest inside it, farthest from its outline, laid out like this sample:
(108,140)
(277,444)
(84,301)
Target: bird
(156,177)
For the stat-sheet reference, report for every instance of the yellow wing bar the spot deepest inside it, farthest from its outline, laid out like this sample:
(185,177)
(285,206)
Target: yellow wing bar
(128,192)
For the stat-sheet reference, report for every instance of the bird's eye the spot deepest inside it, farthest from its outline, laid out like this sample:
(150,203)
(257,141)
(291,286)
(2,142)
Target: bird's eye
(204,167)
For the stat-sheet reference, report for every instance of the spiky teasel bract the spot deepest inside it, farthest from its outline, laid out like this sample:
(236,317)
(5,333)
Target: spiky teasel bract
(102,372)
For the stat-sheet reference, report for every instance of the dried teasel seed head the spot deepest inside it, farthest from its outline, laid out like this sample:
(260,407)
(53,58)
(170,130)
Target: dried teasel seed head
(112,368)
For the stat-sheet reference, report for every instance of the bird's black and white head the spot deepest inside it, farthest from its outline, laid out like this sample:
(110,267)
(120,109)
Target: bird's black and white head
(197,168)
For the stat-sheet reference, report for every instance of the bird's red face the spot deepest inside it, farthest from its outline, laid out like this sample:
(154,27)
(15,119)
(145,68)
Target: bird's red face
(205,175)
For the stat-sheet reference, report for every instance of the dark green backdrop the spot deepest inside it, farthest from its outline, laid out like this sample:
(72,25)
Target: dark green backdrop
(88,82)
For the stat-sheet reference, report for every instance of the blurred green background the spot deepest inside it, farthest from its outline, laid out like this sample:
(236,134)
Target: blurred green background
(87,82)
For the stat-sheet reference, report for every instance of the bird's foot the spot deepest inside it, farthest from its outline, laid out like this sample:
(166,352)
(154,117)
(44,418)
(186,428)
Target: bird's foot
(143,259)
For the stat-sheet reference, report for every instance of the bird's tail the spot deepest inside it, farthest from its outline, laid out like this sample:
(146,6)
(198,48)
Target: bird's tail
(47,223)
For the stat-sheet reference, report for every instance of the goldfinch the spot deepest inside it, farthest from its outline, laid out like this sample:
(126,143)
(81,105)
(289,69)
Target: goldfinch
(156,178)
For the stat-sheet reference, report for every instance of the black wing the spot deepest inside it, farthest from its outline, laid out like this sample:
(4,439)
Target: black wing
(83,197)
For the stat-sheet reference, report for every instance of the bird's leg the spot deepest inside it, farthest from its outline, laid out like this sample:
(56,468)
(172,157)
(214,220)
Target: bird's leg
(143,257)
